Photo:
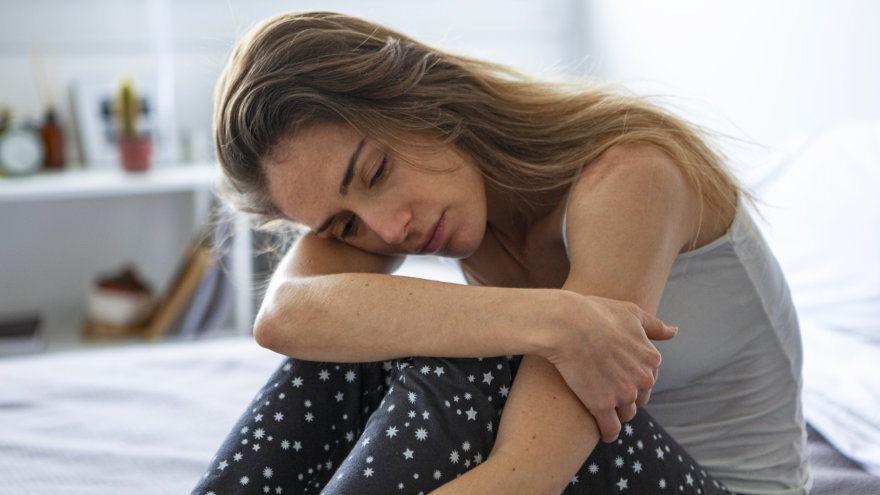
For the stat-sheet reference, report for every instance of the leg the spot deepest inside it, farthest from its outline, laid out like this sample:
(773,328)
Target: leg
(644,459)
(299,427)
(437,421)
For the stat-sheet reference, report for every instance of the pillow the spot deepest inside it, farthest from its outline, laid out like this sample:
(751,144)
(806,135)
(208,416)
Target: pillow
(821,216)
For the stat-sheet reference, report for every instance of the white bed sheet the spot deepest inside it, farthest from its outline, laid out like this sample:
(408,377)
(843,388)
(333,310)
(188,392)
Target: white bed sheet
(134,420)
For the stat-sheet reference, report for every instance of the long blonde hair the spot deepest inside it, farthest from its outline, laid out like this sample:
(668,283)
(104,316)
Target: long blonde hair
(529,137)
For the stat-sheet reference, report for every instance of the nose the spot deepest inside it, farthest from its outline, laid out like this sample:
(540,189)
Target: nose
(391,224)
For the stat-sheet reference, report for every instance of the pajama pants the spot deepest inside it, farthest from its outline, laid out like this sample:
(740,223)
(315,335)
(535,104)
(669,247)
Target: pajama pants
(407,426)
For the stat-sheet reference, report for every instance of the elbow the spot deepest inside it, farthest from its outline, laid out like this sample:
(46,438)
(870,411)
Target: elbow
(276,325)
(265,331)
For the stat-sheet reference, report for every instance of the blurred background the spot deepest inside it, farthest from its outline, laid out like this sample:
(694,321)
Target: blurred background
(764,73)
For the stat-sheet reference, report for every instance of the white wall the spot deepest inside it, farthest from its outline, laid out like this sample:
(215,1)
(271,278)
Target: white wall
(760,70)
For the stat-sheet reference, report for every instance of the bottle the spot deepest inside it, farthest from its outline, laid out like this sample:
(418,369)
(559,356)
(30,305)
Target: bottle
(53,141)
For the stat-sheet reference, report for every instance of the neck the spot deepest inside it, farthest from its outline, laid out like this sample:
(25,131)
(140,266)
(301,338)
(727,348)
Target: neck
(513,213)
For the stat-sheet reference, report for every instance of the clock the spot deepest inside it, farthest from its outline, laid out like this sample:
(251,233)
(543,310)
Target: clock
(21,152)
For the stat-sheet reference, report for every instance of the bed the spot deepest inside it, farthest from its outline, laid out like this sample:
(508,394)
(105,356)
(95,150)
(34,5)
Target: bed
(146,419)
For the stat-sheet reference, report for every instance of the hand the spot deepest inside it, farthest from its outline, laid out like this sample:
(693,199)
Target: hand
(606,358)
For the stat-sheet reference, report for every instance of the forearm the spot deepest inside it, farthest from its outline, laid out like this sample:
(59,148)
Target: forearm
(368,317)
(544,437)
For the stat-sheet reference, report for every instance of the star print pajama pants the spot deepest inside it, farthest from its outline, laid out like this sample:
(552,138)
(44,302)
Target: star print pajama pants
(407,426)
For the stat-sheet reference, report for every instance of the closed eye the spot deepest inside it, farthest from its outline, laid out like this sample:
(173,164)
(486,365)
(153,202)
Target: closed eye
(380,172)
(348,229)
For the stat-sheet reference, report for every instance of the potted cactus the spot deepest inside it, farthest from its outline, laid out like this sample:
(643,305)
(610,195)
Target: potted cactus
(135,147)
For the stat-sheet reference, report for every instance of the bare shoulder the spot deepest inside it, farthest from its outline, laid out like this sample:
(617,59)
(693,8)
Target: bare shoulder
(642,183)
(630,181)
(642,164)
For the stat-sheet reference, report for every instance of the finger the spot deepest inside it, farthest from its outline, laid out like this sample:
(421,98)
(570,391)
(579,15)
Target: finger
(643,398)
(655,329)
(626,413)
(608,423)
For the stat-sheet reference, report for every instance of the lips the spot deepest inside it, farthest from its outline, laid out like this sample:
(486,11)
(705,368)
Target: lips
(436,237)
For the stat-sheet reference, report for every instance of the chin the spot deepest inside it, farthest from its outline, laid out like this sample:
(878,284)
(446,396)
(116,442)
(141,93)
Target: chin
(461,248)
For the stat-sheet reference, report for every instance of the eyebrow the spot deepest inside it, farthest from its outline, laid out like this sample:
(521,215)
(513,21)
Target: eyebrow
(346,181)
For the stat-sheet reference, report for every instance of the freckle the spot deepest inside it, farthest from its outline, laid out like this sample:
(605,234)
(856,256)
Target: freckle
(514,469)
(534,437)
(410,293)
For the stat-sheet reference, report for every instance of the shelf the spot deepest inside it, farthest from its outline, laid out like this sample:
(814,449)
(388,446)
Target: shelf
(92,183)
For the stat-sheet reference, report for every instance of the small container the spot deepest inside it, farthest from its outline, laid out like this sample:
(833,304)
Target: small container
(119,308)
(53,142)
(120,300)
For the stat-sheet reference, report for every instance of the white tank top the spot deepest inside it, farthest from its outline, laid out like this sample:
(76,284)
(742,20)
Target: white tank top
(730,382)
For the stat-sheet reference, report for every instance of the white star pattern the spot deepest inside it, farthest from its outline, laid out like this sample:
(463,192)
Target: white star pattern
(487,378)
(376,447)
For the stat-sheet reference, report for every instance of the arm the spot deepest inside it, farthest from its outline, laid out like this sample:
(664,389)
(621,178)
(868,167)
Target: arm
(325,302)
(630,214)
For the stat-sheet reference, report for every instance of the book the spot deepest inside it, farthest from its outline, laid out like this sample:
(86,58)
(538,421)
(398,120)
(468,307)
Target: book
(197,260)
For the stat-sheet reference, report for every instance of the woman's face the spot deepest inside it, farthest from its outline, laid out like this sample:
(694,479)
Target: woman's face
(342,185)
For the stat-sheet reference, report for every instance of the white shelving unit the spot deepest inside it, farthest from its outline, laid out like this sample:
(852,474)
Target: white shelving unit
(58,231)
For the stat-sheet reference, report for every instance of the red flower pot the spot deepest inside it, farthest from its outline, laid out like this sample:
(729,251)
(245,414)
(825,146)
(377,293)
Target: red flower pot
(135,152)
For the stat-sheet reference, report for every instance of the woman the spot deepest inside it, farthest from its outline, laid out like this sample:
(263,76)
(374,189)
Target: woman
(560,203)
